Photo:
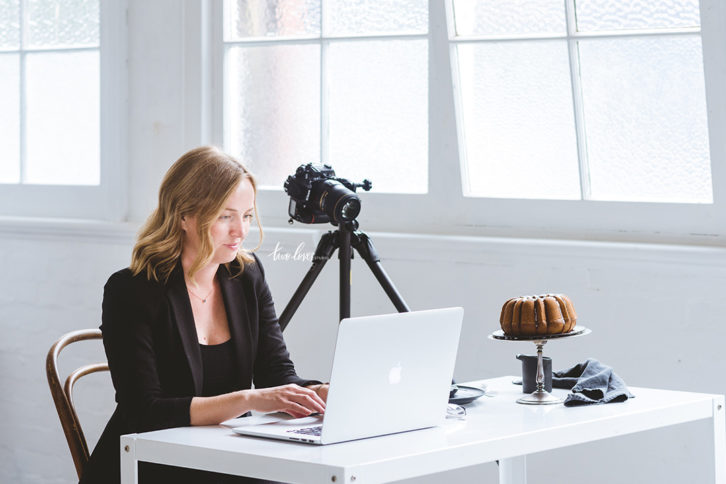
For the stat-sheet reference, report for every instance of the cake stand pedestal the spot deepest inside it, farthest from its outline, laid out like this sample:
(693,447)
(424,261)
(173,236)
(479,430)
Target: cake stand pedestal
(540,396)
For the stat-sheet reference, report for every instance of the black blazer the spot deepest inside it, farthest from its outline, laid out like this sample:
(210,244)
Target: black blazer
(154,357)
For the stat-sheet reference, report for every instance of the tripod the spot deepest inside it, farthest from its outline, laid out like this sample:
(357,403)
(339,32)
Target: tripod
(345,238)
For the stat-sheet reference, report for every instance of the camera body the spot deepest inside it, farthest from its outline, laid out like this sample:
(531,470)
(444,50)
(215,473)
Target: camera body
(318,196)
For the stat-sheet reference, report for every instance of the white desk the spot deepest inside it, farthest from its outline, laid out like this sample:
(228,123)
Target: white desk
(496,428)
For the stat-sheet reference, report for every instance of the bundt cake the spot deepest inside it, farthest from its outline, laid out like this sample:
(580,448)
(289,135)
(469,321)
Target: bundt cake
(538,315)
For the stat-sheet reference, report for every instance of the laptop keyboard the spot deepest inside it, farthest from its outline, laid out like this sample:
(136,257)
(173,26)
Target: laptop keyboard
(308,430)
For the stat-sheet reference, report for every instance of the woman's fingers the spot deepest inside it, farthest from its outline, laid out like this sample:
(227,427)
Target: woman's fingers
(307,399)
(315,399)
(313,402)
(292,399)
(322,392)
(297,410)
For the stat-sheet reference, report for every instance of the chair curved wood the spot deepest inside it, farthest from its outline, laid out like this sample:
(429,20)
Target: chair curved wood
(63,393)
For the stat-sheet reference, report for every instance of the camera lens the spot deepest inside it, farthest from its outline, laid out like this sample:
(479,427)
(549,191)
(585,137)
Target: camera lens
(338,203)
(350,209)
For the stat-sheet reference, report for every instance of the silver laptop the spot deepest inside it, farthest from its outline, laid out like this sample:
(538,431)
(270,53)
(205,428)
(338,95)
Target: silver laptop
(391,373)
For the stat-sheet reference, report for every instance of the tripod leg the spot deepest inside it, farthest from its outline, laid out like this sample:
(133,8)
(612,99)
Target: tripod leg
(345,254)
(323,252)
(364,246)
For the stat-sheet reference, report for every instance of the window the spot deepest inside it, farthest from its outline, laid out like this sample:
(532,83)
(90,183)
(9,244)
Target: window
(51,83)
(582,99)
(339,81)
(534,152)
(55,110)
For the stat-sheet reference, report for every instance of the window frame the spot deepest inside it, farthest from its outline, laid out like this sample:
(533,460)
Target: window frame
(323,42)
(639,221)
(445,210)
(108,200)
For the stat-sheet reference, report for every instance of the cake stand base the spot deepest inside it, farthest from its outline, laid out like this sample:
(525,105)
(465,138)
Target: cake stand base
(540,398)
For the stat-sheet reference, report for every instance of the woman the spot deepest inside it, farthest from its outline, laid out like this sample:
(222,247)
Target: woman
(190,325)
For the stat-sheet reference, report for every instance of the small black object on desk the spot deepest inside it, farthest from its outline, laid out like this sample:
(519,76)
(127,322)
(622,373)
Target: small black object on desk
(461,394)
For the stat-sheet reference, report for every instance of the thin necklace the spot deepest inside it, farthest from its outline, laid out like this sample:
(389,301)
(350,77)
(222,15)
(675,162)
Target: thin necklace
(203,299)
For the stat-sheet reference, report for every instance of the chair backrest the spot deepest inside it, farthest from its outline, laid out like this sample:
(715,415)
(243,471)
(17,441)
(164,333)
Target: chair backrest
(63,393)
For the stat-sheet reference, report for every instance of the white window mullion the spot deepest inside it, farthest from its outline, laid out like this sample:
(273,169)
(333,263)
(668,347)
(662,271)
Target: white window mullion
(23,123)
(324,104)
(323,84)
(435,169)
(21,113)
(197,65)
(217,54)
(114,108)
(577,101)
(713,26)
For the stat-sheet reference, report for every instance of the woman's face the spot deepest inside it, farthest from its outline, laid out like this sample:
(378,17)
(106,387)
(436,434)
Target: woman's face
(228,230)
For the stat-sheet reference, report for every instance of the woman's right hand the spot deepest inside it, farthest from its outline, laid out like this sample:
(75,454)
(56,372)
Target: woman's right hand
(292,399)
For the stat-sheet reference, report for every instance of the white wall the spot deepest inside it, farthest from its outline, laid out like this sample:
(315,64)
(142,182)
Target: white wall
(50,285)
(655,311)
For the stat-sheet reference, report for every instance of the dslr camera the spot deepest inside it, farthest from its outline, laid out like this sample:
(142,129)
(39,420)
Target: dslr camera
(317,196)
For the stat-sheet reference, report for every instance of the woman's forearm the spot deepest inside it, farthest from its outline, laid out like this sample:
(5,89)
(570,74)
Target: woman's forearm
(292,399)
(217,409)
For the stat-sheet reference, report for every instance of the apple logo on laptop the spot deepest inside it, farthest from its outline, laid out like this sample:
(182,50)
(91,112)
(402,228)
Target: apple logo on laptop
(394,375)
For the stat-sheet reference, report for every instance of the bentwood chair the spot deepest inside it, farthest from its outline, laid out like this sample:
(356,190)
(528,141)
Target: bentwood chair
(63,394)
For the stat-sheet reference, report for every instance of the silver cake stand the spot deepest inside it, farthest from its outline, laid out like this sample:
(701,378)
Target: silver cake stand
(540,396)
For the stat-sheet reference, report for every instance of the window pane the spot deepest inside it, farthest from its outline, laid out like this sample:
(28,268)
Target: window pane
(63,118)
(9,24)
(645,116)
(53,23)
(9,118)
(378,98)
(636,14)
(270,18)
(497,17)
(272,108)
(518,118)
(353,17)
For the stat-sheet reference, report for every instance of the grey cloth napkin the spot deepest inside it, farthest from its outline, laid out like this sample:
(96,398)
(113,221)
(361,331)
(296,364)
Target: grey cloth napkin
(591,382)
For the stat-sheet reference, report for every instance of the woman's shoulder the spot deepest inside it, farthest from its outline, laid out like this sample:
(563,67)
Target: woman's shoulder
(129,294)
(125,280)
(252,274)
(255,268)
(250,270)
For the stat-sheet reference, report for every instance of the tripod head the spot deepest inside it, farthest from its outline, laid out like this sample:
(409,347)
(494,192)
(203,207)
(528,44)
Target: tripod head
(344,240)
(349,226)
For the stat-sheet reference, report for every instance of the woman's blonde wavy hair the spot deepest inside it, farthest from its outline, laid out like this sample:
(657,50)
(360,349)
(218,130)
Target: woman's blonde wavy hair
(198,184)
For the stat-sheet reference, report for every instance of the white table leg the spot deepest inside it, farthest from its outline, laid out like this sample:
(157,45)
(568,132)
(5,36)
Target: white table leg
(129,464)
(513,470)
(719,439)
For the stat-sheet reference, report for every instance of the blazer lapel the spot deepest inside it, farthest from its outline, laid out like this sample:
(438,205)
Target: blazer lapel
(238,319)
(182,308)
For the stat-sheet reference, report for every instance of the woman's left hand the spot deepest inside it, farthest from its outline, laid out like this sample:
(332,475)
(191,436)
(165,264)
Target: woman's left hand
(321,389)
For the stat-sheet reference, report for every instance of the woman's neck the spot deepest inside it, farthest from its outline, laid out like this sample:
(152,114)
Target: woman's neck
(204,277)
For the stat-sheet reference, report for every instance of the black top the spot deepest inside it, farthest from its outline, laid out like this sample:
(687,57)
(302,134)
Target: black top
(155,360)
(217,368)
